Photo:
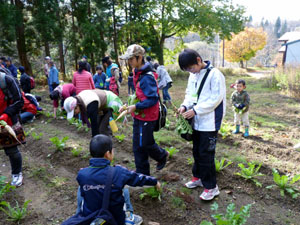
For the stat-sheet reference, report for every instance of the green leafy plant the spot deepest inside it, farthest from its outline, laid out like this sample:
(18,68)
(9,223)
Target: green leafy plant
(220,165)
(72,121)
(5,187)
(286,184)
(225,130)
(183,126)
(36,136)
(76,151)
(152,192)
(16,213)
(231,217)
(250,173)
(59,144)
(172,151)
(120,137)
(190,161)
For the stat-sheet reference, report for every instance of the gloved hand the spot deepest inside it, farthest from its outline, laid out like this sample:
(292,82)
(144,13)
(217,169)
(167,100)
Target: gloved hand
(241,106)
(236,106)
(4,117)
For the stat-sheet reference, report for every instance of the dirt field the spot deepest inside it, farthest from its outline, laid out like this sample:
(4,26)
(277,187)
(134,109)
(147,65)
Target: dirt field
(50,176)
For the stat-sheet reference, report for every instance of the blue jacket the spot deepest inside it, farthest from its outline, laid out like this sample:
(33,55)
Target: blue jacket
(92,182)
(13,69)
(53,75)
(99,80)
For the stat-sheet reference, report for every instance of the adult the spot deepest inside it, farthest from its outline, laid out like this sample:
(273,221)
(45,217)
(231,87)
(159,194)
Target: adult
(47,69)
(24,80)
(112,72)
(97,105)
(28,111)
(149,61)
(164,82)
(12,68)
(82,79)
(88,66)
(53,76)
(145,112)
(207,108)
(11,103)
(99,78)
(61,93)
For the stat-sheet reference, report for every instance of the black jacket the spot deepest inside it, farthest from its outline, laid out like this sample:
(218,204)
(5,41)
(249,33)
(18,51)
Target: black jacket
(25,83)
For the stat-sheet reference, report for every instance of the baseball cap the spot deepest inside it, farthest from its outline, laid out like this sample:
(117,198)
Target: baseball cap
(133,50)
(47,57)
(69,105)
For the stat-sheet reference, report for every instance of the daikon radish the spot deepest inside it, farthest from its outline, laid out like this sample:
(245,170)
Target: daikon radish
(9,129)
(122,114)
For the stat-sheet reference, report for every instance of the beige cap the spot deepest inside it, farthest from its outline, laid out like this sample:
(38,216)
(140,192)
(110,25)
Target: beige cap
(133,50)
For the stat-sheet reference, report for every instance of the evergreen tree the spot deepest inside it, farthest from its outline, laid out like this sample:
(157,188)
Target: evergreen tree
(277,27)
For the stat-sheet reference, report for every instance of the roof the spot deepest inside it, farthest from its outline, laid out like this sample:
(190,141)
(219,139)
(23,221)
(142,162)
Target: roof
(292,42)
(290,36)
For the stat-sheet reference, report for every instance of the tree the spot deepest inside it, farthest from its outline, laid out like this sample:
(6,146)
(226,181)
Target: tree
(284,28)
(277,27)
(244,45)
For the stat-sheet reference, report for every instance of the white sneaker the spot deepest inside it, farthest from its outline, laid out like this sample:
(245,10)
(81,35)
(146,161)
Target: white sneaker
(133,219)
(209,194)
(195,182)
(17,180)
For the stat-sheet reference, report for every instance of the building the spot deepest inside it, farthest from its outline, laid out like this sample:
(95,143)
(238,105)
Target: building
(290,48)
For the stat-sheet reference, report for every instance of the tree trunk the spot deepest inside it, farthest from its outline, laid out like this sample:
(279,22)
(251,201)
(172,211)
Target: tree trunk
(47,48)
(93,63)
(115,34)
(74,37)
(161,50)
(242,64)
(62,59)
(20,34)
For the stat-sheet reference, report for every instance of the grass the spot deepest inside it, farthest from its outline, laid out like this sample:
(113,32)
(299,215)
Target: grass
(17,213)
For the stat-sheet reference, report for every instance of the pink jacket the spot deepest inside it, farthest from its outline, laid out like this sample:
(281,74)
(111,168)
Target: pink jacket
(83,81)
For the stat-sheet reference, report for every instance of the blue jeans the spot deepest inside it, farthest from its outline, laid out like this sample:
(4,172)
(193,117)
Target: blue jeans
(131,87)
(49,85)
(26,116)
(125,194)
(166,95)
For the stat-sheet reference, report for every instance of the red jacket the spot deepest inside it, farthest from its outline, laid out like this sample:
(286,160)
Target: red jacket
(83,81)
(28,106)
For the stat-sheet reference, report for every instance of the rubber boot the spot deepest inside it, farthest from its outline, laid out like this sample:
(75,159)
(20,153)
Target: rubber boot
(237,129)
(246,134)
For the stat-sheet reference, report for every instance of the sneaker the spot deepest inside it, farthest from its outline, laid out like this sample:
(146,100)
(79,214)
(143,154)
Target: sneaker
(133,219)
(160,165)
(209,194)
(17,180)
(195,182)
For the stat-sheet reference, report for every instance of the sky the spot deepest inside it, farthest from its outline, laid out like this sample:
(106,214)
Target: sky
(271,9)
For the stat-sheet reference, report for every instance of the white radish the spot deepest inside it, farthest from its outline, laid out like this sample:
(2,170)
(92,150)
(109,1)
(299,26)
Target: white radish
(9,129)
(122,114)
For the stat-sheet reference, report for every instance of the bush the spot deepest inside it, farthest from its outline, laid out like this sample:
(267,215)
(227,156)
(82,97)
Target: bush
(178,74)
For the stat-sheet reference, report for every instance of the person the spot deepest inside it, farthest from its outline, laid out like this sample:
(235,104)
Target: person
(12,68)
(11,103)
(24,80)
(145,112)
(2,61)
(47,69)
(97,105)
(95,175)
(130,83)
(240,101)
(82,79)
(112,72)
(88,66)
(61,92)
(99,78)
(164,82)
(53,76)
(149,61)
(28,111)
(207,112)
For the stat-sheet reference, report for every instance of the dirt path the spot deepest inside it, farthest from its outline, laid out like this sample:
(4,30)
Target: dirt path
(260,74)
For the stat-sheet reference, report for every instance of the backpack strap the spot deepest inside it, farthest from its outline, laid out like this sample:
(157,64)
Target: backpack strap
(107,189)
(202,83)
(2,81)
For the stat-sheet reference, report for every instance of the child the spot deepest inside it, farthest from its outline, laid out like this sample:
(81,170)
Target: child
(207,111)
(99,78)
(92,177)
(130,84)
(164,83)
(240,101)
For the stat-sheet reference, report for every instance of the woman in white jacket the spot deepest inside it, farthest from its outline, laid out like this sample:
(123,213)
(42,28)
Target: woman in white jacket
(164,82)
(207,110)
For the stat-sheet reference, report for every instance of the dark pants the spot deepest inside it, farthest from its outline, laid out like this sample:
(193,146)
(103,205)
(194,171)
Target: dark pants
(166,95)
(99,123)
(144,146)
(131,87)
(204,145)
(15,159)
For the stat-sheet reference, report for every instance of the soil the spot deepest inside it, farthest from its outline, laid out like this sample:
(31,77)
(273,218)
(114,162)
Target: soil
(50,175)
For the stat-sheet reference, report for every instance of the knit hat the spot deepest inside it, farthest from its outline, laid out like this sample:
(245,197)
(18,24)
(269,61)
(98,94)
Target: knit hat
(133,50)
(69,105)
(21,69)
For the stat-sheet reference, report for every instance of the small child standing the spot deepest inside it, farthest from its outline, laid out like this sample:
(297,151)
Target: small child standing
(240,100)
(130,84)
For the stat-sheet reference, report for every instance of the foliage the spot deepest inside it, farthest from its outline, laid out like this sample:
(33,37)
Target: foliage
(76,151)
(286,184)
(172,151)
(16,213)
(183,126)
(231,217)
(120,137)
(36,136)
(4,187)
(152,192)
(59,143)
(220,165)
(244,45)
(225,130)
(190,160)
(250,173)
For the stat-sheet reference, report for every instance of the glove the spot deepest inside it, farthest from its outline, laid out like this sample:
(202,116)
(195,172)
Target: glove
(241,106)
(4,117)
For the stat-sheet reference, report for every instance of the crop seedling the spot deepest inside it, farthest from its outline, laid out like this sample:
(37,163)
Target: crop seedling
(286,184)
(16,213)
(120,137)
(152,192)
(225,130)
(76,151)
(220,165)
(172,151)
(250,173)
(59,144)
(183,126)
(190,161)
(231,217)
(4,187)
(36,136)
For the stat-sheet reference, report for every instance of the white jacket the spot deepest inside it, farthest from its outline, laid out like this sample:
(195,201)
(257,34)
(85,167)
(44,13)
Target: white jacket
(211,105)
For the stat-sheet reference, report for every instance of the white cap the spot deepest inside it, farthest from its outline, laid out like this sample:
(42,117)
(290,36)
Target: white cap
(69,105)
(133,50)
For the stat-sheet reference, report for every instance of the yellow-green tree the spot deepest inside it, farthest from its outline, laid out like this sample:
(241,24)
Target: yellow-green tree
(244,45)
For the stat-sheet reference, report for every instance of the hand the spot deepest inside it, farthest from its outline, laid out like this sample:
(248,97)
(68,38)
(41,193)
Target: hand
(181,110)
(236,106)
(189,114)
(241,106)
(158,186)
(131,108)
(124,107)
(4,117)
